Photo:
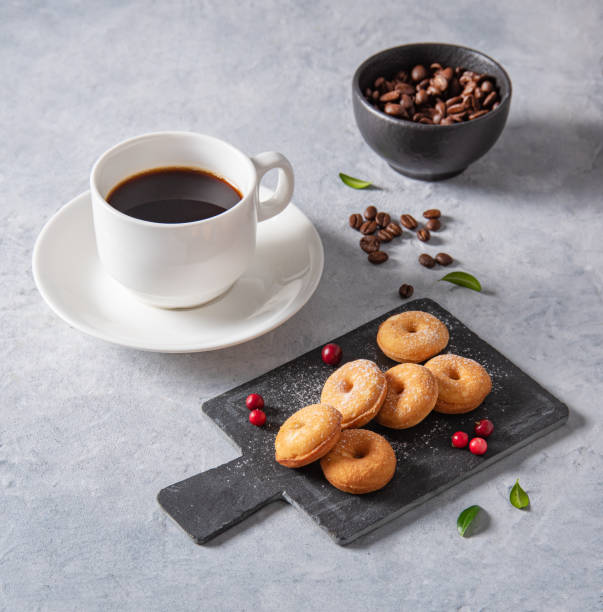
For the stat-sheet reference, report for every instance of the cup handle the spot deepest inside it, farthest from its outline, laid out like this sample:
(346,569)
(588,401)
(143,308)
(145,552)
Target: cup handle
(264,162)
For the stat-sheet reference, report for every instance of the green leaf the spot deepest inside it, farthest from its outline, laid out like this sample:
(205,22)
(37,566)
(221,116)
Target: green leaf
(355,183)
(464,279)
(465,518)
(518,497)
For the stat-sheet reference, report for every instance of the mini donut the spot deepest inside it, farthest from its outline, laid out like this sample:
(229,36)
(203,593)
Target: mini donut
(462,383)
(307,435)
(361,462)
(357,389)
(412,392)
(412,336)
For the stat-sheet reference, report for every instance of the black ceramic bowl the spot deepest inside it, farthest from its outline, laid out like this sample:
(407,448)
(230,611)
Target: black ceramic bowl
(428,152)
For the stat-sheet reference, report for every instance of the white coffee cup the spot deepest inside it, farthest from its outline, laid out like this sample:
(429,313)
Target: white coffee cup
(181,265)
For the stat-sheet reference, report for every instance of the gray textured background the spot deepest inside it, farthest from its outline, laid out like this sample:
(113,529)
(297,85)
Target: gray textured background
(90,432)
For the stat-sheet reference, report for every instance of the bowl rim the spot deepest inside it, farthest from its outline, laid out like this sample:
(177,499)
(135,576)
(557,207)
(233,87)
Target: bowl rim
(504,103)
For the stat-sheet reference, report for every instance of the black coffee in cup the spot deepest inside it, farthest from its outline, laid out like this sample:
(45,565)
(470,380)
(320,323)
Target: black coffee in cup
(173,195)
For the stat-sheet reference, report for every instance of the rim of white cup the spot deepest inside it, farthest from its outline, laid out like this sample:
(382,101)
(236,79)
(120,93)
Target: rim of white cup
(95,169)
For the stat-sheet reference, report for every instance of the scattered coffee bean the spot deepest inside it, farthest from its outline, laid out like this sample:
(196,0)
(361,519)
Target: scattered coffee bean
(423,235)
(432,213)
(369,244)
(378,257)
(405,291)
(356,221)
(443,259)
(370,213)
(408,221)
(384,235)
(394,229)
(383,219)
(368,227)
(433,225)
(440,92)
(426,260)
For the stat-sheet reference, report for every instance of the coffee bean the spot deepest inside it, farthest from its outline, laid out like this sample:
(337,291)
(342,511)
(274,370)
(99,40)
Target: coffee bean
(432,213)
(448,73)
(370,213)
(382,219)
(422,97)
(390,96)
(378,257)
(394,229)
(458,117)
(426,260)
(478,114)
(443,259)
(440,82)
(441,108)
(405,291)
(490,99)
(405,88)
(435,66)
(418,73)
(408,221)
(447,121)
(356,221)
(426,121)
(456,108)
(423,235)
(378,82)
(396,110)
(433,225)
(369,244)
(368,227)
(384,235)
(451,101)
(407,102)
(487,86)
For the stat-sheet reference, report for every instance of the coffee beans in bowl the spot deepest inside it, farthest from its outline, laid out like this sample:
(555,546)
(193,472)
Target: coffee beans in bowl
(431,109)
(435,95)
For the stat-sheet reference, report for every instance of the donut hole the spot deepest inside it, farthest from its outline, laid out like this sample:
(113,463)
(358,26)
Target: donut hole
(453,373)
(411,328)
(345,386)
(397,387)
(360,452)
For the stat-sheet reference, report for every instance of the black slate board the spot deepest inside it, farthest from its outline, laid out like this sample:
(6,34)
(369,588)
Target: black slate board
(207,504)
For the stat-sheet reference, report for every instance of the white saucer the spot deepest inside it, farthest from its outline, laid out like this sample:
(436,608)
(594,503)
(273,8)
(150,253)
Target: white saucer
(282,277)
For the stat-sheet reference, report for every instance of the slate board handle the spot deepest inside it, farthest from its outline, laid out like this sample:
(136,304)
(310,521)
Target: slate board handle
(209,503)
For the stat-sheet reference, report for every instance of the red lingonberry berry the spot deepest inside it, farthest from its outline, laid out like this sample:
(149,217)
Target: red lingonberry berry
(331,354)
(478,446)
(460,439)
(257,417)
(484,428)
(254,401)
